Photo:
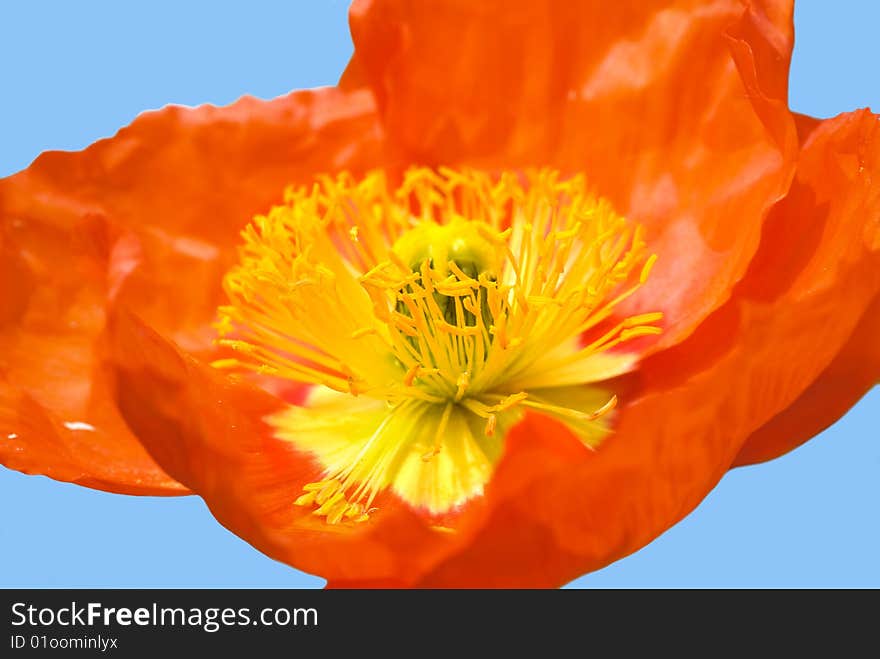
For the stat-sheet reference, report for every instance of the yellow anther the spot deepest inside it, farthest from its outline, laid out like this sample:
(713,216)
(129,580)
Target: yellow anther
(643,319)
(225,363)
(306,499)
(646,269)
(463,382)
(443,529)
(605,409)
(430,455)
(327,491)
(336,512)
(319,485)
(328,505)
(411,375)
(634,332)
(364,331)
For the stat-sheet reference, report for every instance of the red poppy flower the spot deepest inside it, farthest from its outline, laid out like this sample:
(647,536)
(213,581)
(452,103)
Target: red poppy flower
(443,357)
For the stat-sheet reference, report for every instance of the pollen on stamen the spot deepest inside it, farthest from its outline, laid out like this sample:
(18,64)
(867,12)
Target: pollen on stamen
(602,411)
(412,374)
(433,316)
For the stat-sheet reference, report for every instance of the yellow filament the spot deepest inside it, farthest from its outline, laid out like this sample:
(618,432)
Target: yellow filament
(455,298)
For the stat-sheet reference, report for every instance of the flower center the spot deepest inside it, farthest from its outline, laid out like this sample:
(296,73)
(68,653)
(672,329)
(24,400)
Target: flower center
(447,306)
(457,258)
(428,319)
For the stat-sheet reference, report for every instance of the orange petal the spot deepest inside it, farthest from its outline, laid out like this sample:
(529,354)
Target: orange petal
(816,274)
(184,181)
(675,111)
(104,457)
(148,219)
(853,373)
(57,415)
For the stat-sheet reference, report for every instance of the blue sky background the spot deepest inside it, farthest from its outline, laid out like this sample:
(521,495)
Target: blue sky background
(71,73)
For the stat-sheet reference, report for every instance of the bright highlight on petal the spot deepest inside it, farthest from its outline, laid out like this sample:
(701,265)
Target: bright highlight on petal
(430,318)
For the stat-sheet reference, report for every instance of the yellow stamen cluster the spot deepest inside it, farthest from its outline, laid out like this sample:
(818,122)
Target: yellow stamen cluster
(329,499)
(456,298)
